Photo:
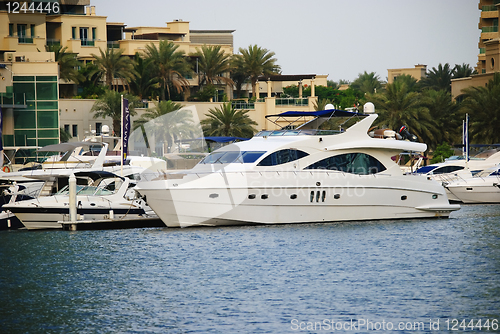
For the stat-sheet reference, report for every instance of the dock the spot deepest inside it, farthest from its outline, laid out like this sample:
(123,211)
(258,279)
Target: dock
(106,224)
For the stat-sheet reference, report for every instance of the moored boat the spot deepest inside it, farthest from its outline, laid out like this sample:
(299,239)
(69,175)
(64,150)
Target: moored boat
(299,175)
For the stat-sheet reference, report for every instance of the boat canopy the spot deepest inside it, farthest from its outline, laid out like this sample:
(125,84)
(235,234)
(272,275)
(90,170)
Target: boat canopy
(319,117)
(320,113)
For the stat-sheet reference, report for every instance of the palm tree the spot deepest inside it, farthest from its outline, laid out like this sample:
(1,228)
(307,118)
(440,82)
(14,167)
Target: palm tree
(238,74)
(367,83)
(68,64)
(257,61)
(483,106)
(410,82)
(398,106)
(438,79)
(167,122)
(462,71)
(227,121)
(145,81)
(170,64)
(112,64)
(445,113)
(213,63)
(109,105)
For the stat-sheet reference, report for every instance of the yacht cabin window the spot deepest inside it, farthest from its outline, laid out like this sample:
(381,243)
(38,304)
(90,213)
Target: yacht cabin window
(355,163)
(282,157)
(232,156)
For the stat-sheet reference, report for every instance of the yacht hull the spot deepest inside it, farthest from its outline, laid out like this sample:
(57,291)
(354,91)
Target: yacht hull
(241,198)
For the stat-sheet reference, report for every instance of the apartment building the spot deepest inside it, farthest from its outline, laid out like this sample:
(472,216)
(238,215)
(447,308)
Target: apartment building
(489,49)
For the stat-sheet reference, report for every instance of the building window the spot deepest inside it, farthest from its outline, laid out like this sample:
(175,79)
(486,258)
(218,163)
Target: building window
(93,34)
(73,32)
(66,128)
(75,130)
(32,30)
(11,29)
(84,33)
(98,128)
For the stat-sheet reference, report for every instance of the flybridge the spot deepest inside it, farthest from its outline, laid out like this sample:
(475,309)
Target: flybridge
(307,125)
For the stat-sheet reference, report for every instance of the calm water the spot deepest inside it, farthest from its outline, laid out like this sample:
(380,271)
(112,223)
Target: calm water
(259,279)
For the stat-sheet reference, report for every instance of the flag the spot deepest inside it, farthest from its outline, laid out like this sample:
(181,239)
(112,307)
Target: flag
(1,141)
(125,129)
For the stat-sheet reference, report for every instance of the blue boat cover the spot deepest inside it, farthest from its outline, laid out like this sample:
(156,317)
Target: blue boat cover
(319,113)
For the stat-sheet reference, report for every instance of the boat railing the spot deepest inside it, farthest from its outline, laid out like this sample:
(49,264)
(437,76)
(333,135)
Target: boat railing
(297,132)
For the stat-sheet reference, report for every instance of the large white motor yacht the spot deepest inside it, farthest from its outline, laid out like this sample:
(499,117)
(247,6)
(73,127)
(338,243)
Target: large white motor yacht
(300,175)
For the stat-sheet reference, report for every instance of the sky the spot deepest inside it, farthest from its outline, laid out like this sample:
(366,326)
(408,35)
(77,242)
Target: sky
(338,38)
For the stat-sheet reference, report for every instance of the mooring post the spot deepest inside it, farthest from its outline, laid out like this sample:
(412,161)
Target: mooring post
(72,198)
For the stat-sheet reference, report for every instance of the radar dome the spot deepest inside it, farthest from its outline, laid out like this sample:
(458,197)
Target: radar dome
(329,106)
(369,108)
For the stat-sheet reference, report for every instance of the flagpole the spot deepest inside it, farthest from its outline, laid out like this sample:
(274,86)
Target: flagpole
(121,137)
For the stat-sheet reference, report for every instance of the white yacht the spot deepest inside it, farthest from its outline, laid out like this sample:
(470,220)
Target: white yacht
(100,195)
(301,175)
(483,187)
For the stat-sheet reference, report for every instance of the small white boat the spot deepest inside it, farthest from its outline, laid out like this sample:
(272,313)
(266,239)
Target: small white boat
(11,194)
(300,175)
(100,195)
(483,187)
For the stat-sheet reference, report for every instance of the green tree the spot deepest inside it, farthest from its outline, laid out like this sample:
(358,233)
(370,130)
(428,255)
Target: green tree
(166,121)
(213,63)
(367,83)
(64,136)
(67,61)
(441,152)
(109,105)
(483,106)
(444,112)
(438,78)
(410,82)
(228,121)
(171,66)
(257,61)
(398,106)
(238,74)
(87,87)
(112,64)
(462,71)
(145,80)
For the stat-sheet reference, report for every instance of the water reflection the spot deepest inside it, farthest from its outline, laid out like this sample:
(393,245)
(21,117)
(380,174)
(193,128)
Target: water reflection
(251,279)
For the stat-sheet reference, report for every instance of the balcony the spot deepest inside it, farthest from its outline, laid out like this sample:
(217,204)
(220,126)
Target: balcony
(51,41)
(87,42)
(25,40)
(489,29)
(242,105)
(113,44)
(292,102)
(489,8)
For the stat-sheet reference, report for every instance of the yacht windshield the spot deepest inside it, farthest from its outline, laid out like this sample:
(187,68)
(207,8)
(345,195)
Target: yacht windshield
(232,156)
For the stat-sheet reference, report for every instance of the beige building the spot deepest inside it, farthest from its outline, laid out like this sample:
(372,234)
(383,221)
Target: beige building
(30,84)
(489,49)
(418,72)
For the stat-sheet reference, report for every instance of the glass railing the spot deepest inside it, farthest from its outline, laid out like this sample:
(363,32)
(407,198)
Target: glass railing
(292,102)
(482,50)
(87,42)
(51,41)
(489,29)
(25,40)
(113,45)
(489,8)
(243,105)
